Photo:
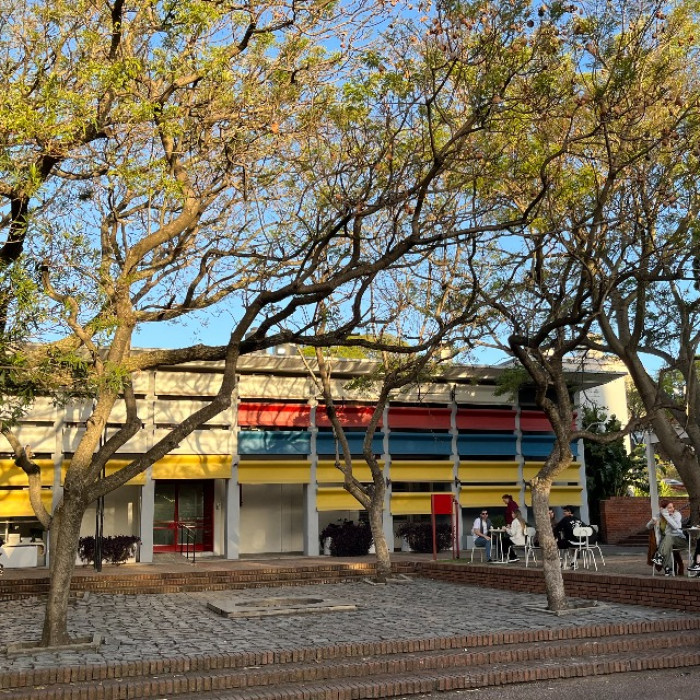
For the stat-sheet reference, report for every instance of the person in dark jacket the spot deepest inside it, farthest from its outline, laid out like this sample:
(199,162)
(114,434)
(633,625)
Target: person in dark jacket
(511,507)
(564,529)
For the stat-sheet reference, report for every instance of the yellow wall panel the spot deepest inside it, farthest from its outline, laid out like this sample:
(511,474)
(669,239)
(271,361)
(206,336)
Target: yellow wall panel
(327,473)
(12,475)
(15,504)
(335,498)
(474,471)
(116,464)
(561,496)
(570,475)
(112,466)
(413,503)
(421,470)
(480,496)
(193,467)
(264,471)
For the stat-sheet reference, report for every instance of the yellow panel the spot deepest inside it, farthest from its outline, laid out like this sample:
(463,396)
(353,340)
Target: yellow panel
(193,467)
(112,466)
(414,503)
(570,475)
(12,475)
(561,496)
(489,472)
(334,498)
(116,464)
(15,504)
(421,470)
(326,472)
(480,496)
(263,471)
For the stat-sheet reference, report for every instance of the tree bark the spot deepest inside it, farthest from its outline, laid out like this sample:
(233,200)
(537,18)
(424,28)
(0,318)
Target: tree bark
(376,523)
(64,538)
(554,581)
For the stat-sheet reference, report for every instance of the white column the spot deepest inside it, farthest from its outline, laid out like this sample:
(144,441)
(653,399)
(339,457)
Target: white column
(388,518)
(311,529)
(232,517)
(232,495)
(520,459)
(147,508)
(651,470)
(456,485)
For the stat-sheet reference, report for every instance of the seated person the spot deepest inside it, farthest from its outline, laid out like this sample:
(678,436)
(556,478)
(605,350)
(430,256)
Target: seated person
(669,534)
(481,531)
(515,536)
(564,529)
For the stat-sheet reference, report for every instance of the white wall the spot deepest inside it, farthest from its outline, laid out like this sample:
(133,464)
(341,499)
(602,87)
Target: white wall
(272,518)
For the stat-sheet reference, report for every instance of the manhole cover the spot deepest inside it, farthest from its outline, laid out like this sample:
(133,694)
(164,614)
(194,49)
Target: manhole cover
(264,607)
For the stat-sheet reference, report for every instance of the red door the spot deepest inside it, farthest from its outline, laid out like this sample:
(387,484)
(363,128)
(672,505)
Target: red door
(183,507)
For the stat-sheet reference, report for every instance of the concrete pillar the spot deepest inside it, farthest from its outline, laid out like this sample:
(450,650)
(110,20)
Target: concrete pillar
(311,529)
(147,508)
(232,516)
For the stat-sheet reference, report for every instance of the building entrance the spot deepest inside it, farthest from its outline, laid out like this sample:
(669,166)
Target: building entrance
(183,507)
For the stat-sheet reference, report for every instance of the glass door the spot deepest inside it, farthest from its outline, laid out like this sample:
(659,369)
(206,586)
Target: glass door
(180,507)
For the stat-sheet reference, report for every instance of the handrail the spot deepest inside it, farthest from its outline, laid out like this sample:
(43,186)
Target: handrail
(190,535)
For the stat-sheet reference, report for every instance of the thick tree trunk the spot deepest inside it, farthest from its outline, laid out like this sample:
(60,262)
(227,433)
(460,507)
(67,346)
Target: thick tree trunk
(554,581)
(381,549)
(65,533)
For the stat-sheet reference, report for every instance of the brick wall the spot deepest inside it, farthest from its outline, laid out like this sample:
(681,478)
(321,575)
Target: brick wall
(625,516)
(677,593)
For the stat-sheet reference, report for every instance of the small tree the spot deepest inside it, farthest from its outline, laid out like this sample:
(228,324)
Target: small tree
(610,469)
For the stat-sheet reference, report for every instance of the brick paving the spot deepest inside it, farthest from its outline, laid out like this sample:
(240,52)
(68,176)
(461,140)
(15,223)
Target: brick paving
(161,626)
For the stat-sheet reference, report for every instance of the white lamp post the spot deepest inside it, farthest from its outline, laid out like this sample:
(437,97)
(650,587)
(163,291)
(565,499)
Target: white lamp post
(651,468)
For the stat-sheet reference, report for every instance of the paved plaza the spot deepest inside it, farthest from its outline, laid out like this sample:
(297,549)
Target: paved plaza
(162,625)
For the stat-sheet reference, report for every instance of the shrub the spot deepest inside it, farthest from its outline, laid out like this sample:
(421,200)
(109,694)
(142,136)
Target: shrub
(115,549)
(420,536)
(498,521)
(348,538)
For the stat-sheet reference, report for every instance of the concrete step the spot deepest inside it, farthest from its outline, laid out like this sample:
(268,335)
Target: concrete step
(377,670)
(637,540)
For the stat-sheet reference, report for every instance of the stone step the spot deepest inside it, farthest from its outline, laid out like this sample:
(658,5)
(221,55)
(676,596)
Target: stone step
(640,539)
(376,669)
(444,680)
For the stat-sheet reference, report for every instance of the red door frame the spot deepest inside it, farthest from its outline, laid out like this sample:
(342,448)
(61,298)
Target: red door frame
(204,525)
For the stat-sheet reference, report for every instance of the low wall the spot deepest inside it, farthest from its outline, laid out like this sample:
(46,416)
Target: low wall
(625,516)
(677,593)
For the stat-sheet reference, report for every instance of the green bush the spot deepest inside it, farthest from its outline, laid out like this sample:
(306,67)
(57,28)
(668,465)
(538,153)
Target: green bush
(115,549)
(348,538)
(420,536)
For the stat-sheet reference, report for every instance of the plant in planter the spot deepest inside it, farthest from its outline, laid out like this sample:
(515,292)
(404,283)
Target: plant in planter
(420,536)
(116,549)
(348,538)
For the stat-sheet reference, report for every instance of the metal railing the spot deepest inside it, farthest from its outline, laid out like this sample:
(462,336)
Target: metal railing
(187,536)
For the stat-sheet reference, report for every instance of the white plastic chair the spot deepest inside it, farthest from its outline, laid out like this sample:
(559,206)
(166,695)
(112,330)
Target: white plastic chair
(579,545)
(530,548)
(596,546)
(473,548)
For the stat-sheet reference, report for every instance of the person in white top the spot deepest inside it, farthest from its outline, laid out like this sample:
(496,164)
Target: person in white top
(482,533)
(669,534)
(515,535)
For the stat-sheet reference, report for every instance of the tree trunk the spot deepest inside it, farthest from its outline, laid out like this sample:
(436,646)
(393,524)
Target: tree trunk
(554,581)
(381,549)
(65,531)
